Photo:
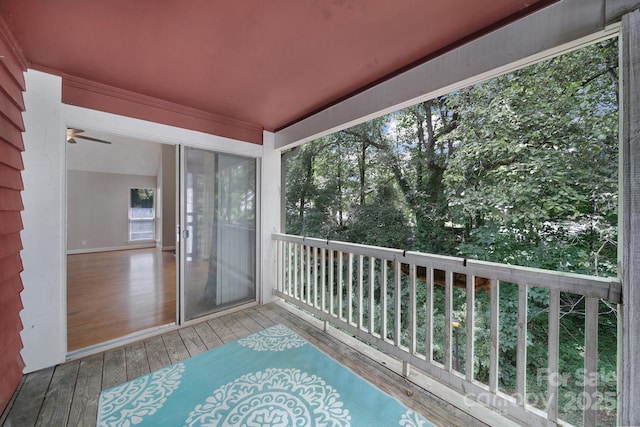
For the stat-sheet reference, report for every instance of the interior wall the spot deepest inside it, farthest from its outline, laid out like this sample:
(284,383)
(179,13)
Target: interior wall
(168,183)
(97,210)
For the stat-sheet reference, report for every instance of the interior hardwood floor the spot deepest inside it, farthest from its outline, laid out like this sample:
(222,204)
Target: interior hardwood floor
(113,294)
(67,395)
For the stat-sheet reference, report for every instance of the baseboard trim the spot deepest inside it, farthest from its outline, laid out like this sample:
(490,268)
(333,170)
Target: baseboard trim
(112,248)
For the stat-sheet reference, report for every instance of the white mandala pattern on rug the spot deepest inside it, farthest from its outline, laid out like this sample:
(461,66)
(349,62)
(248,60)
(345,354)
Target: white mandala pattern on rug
(273,398)
(413,419)
(275,338)
(128,403)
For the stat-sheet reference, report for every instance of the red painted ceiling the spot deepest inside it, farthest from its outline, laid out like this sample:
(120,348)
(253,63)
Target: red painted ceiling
(265,62)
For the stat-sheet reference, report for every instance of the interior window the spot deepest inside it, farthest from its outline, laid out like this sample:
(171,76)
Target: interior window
(141,214)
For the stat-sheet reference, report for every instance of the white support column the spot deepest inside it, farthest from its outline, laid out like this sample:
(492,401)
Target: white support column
(44,217)
(270,214)
(629,257)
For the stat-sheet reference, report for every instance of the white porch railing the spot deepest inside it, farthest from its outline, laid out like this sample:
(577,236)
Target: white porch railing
(393,300)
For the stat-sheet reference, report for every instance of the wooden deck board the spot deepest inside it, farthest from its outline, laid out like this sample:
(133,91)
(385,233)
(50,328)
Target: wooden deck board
(248,322)
(175,347)
(260,318)
(84,405)
(192,341)
(238,329)
(29,399)
(57,401)
(156,353)
(68,395)
(222,330)
(114,368)
(208,336)
(137,363)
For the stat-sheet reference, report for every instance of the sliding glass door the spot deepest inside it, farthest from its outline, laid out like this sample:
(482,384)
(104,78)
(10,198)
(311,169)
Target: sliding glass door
(218,236)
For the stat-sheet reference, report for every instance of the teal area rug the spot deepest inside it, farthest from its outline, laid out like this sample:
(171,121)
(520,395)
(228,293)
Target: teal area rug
(271,378)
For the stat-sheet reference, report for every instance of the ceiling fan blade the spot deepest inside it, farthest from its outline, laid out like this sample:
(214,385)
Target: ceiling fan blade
(71,132)
(71,141)
(75,133)
(92,139)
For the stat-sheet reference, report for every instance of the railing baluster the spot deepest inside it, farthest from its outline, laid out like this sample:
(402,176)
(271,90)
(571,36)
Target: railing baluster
(350,289)
(372,269)
(332,309)
(397,310)
(429,316)
(279,261)
(470,322)
(288,272)
(383,299)
(307,298)
(323,281)
(521,352)
(295,271)
(340,286)
(494,335)
(448,312)
(301,273)
(412,309)
(360,290)
(590,361)
(283,267)
(315,277)
(554,345)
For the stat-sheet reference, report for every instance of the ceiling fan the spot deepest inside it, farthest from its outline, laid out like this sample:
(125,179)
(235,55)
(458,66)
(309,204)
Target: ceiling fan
(72,134)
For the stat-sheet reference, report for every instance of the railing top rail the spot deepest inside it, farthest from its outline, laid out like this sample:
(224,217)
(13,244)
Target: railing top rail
(580,284)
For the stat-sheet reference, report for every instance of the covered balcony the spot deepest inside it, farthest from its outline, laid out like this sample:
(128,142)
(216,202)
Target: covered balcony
(460,341)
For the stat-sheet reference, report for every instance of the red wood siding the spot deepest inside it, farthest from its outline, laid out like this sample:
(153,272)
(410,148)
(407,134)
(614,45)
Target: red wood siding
(12,66)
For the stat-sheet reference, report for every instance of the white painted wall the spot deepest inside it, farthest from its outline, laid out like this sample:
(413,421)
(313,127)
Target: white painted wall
(126,156)
(98,208)
(168,198)
(44,198)
(105,168)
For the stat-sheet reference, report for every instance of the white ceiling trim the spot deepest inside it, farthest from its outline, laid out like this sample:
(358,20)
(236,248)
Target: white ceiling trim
(128,127)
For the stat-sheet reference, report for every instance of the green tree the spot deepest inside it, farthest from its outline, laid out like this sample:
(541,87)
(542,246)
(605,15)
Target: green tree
(534,178)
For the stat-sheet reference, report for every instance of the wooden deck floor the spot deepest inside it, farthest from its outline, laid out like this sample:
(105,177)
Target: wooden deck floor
(67,395)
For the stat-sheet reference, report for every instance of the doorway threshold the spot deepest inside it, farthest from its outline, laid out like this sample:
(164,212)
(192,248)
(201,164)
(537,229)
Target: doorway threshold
(121,341)
(151,332)
(227,310)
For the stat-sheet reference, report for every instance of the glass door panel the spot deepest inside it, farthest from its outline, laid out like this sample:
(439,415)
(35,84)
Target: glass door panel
(219,231)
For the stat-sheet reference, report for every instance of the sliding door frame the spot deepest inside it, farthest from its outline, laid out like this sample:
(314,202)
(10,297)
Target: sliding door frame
(182,231)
